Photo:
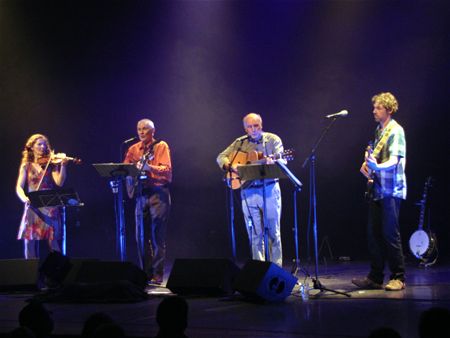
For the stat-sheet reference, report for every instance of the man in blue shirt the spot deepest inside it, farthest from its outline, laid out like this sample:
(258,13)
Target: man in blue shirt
(386,169)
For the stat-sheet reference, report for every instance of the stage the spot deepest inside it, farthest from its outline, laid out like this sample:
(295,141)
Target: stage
(322,314)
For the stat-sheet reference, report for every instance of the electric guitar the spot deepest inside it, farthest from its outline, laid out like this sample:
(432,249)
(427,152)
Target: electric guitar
(253,157)
(423,244)
(370,176)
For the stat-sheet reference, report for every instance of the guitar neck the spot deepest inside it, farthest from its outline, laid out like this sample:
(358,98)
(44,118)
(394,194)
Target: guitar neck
(273,157)
(423,203)
(422,214)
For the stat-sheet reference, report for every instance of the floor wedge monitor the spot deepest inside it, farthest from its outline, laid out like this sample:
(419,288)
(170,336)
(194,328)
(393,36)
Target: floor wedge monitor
(264,281)
(210,276)
(19,274)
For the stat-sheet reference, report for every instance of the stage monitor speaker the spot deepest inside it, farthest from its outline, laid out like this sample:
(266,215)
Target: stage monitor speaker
(264,281)
(19,274)
(55,268)
(96,271)
(93,281)
(202,276)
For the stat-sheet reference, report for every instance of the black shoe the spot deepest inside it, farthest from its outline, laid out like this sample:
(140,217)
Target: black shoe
(367,284)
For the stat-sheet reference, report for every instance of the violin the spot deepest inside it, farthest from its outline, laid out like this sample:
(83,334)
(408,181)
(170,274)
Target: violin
(57,159)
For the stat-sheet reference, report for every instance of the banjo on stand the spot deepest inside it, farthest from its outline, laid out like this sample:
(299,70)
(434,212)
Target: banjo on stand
(423,243)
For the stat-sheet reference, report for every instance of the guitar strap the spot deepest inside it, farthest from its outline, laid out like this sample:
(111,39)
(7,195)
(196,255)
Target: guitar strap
(384,138)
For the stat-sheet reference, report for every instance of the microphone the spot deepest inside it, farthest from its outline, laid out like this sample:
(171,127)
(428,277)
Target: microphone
(342,113)
(130,140)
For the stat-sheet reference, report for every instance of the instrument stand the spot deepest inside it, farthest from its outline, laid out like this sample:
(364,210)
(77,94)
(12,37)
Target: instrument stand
(57,198)
(297,187)
(250,222)
(230,199)
(326,242)
(313,208)
(296,266)
(140,232)
(262,172)
(116,172)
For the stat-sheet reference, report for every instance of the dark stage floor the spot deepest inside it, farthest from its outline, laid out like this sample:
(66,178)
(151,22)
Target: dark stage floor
(324,314)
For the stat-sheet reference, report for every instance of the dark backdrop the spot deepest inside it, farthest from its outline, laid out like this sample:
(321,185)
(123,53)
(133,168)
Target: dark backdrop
(83,73)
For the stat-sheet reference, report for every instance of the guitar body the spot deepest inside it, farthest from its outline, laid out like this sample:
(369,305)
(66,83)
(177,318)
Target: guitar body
(368,195)
(132,183)
(232,178)
(243,158)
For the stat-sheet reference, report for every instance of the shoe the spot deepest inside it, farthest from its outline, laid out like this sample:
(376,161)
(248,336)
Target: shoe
(155,281)
(367,284)
(395,285)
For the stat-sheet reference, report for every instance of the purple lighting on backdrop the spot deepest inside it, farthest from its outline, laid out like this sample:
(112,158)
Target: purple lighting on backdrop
(84,74)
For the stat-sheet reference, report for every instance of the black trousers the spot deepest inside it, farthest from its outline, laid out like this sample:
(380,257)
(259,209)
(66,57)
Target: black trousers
(154,208)
(384,240)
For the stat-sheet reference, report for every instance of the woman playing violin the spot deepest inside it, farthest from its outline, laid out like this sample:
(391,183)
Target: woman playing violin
(40,169)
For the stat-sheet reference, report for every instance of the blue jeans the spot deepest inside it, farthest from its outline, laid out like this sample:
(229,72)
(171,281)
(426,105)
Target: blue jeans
(384,239)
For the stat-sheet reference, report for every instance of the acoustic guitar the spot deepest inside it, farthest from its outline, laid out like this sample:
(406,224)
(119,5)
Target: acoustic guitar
(423,244)
(132,182)
(253,157)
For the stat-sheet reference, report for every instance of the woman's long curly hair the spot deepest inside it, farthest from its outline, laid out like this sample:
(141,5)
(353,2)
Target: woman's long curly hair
(27,153)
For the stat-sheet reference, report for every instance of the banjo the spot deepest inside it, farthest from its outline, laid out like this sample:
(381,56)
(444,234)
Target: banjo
(423,243)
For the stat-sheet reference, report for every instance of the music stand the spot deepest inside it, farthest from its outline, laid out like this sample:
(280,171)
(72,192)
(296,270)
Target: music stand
(262,172)
(63,198)
(116,172)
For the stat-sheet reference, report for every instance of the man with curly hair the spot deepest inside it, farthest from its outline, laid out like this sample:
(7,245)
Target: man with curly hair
(385,168)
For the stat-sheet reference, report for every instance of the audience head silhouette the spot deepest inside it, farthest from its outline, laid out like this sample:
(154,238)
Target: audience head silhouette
(384,332)
(109,330)
(21,332)
(172,317)
(37,318)
(435,323)
(93,322)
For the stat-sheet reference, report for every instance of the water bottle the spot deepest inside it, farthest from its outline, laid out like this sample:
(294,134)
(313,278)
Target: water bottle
(304,291)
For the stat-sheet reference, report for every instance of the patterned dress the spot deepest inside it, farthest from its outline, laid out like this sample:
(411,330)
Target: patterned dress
(40,223)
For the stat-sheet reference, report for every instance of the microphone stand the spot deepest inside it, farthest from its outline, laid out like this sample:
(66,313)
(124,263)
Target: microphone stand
(313,205)
(124,143)
(231,204)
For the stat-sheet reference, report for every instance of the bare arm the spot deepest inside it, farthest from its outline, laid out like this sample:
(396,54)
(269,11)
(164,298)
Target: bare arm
(20,185)
(365,170)
(59,176)
(389,164)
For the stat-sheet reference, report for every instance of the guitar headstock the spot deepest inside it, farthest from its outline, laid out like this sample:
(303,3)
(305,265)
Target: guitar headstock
(369,148)
(288,154)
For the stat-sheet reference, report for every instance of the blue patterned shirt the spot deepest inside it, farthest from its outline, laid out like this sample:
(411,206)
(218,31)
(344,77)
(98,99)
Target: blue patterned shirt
(391,182)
